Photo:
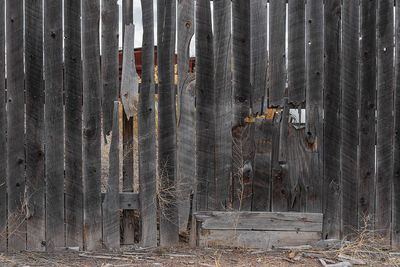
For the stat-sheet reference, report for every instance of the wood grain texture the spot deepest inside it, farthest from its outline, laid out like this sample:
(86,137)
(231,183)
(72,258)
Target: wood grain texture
(109,60)
(15,126)
(205,109)
(296,56)
(259,55)
(34,85)
(349,116)
(277,53)
(332,133)
(384,146)
(73,124)
(166,36)
(111,224)
(147,139)
(366,165)
(223,101)
(3,132)
(186,113)
(127,200)
(91,124)
(314,102)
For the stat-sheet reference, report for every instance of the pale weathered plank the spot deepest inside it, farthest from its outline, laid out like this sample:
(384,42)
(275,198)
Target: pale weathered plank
(166,36)
(259,55)
(261,221)
(109,60)
(15,126)
(91,124)
(35,179)
(186,113)
(111,234)
(223,101)
(314,102)
(349,115)
(205,109)
(366,165)
(147,138)
(73,125)
(3,139)
(277,56)
(296,56)
(384,128)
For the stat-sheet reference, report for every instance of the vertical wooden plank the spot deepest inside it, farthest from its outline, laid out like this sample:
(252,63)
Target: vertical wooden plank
(127,222)
(35,180)
(223,101)
(91,124)
(54,124)
(384,144)
(366,184)
(73,124)
(205,108)
(15,126)
(314,102)
(259,55)
(111,234)
(166,27)
(349,115)
(296,56)
(3,139)
(186,113)
(277,56)
(332,134)
(110,60)
(147,138)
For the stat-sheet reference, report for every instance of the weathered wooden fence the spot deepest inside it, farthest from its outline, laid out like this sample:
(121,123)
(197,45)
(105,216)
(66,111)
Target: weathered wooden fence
(225,140)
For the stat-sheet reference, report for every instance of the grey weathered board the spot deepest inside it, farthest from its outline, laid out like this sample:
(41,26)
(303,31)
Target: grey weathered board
(349,116)
(35,179)
(127,200)
(167,208)
(111,224)
(3,139)
(147,138)
(186,113)
(384,139)
(296,56)
(257,229)
(73,124)
(277,53)
(366,165)
(91,124)
(332,133)
(223,102)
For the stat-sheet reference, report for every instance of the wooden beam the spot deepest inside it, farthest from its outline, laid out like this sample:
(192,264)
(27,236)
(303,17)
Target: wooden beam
(3,139)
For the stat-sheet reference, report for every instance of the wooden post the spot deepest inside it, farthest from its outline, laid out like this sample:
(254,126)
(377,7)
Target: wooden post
(127,222)
(91,124)
(205,109)
(314,103)
(332,133)
(109,62)
(223,101)
(15,126)
(166,27)
(111,234)
(259,55)
(366,165)
(349,115)
(3,139)
(296,56)
(73,124)
(35,179)
(277,57)
(147,135)
(385,121)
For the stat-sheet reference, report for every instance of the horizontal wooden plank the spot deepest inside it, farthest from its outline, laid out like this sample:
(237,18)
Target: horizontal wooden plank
(255,239)
(261,221)
(127,200)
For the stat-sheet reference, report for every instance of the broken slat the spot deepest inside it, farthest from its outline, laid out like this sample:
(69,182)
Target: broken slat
(127,200)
